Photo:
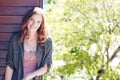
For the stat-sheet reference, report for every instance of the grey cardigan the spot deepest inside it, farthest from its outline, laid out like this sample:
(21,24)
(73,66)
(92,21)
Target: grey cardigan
(15,56)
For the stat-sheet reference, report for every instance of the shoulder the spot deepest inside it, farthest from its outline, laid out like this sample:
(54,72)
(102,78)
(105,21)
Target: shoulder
(15,36)
(48,41)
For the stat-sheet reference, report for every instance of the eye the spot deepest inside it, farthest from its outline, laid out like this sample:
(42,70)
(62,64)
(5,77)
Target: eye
(31,19)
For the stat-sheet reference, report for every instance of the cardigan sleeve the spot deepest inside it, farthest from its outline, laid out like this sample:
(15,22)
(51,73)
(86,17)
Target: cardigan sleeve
(48,54)
(9,57)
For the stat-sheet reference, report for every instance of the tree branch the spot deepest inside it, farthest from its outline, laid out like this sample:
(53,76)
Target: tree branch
(101,71)
(114,53)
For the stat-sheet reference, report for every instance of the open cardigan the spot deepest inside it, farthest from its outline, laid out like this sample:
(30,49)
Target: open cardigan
(15,56)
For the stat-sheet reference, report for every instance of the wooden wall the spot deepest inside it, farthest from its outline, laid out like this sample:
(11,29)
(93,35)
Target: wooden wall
(11,14)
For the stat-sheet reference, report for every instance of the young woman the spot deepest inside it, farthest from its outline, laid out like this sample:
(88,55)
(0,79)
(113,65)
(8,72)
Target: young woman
(30,51)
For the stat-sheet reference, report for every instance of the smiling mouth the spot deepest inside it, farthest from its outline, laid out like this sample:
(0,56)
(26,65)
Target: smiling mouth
(33,27)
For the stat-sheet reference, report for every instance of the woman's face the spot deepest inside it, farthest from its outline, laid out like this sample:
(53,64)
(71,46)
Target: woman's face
(34,22)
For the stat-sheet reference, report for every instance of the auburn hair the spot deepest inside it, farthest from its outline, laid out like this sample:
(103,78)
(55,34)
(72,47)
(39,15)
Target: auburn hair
(41,32)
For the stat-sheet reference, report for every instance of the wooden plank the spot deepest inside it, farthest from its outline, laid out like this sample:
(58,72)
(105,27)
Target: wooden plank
(41,3)
(5,36)
(2,70)
(11,19)
(20,3)
(1,77)
(3,54)
(2,62)
(3,45)
(9,28)
(14,10)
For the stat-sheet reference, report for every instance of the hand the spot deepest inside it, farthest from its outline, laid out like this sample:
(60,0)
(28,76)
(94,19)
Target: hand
(27,77)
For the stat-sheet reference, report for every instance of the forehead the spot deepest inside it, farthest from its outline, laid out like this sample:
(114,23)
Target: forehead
(36,16)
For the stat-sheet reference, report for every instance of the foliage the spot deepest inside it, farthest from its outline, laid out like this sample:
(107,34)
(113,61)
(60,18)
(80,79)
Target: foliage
(86,35)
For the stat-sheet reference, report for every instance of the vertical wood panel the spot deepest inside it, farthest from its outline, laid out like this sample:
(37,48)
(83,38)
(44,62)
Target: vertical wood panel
(11,14)
(3,54)
(5,36)
(3,46)
(20,11)
(2,70)
(1,77)
(2,62)
(19,3)
(9,28)
(11,19)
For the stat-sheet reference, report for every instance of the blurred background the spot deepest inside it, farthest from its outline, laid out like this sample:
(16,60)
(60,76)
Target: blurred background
(86,37)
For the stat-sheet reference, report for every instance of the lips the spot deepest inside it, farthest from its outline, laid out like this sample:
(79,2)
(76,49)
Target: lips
(31,26)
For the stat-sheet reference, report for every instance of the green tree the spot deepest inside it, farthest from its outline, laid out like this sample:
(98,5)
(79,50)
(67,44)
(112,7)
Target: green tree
(86,37)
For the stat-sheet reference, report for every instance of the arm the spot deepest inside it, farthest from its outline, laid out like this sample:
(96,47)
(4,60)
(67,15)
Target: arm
(8,73)
(38,72)
(9,62)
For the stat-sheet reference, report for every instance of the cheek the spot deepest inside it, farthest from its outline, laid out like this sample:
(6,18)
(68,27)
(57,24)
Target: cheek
(30,22)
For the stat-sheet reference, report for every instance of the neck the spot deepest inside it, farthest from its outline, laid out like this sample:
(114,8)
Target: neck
(32,35)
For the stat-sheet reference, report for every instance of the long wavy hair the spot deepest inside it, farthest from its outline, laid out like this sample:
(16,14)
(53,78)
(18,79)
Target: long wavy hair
(41,32)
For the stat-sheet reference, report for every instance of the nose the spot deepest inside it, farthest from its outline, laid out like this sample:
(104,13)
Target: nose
(33,23)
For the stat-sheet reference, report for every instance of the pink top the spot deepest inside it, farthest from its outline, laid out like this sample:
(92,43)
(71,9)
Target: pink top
(30,62)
